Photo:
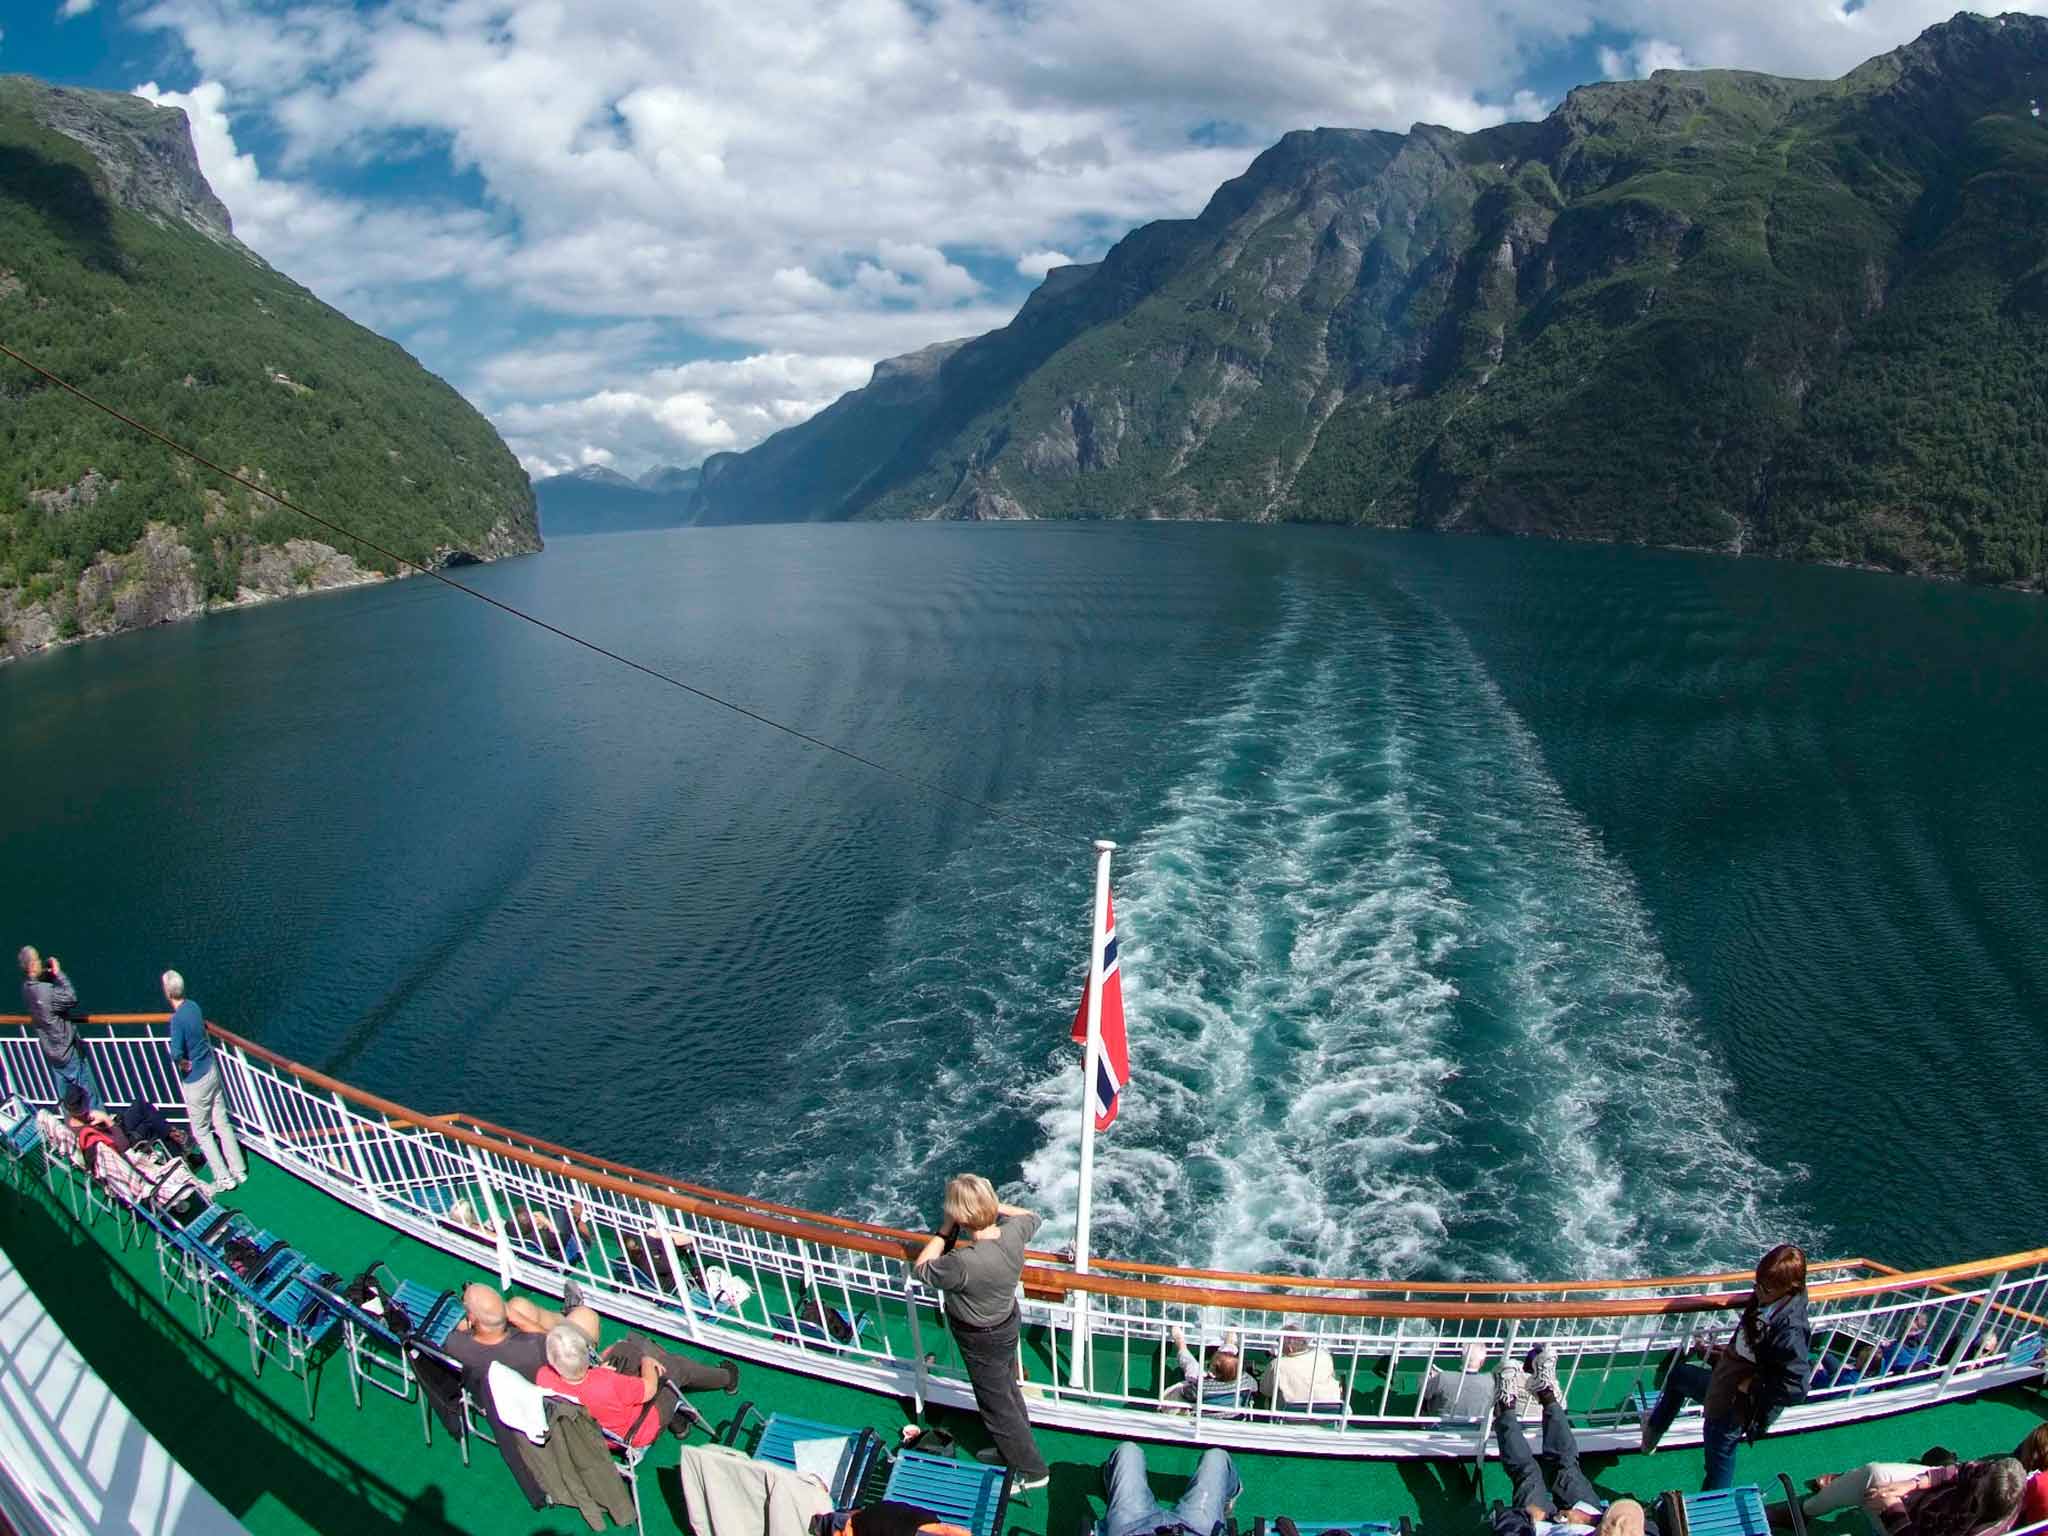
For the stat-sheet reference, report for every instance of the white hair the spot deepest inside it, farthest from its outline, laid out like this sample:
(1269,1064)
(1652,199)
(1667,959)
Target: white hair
(569,1351)
(174,986)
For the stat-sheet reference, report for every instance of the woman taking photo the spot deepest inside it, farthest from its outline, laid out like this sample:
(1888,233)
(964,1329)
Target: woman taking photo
(1759,1372)
(975,1263)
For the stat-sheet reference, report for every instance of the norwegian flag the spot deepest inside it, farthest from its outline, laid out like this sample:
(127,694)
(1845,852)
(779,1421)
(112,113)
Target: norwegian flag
(1113,1061)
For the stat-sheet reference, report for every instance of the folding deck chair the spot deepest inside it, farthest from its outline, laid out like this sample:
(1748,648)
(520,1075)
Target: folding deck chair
(187,1253)
(377,1352)
(1724,1512)
(21,1139)
(781,1432)
(972,1495)
(288,1313)
(789,1327)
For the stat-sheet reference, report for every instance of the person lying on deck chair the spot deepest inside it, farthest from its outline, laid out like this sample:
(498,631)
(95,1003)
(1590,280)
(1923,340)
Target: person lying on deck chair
(139,1122)
(630,1375)
(488,1332)
(1134,1511)
(135,1177)
(1977,1498)
(1534,1510)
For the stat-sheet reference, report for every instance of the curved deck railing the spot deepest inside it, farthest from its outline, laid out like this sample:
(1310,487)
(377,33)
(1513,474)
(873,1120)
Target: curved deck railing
(648,1248)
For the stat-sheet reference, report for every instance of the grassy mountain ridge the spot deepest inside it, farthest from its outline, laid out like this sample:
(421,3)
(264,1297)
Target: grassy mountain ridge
(1715,309)
(119,271)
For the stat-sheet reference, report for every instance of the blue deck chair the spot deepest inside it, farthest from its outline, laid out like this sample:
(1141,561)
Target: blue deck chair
(777,1442)
(1228,1399)
(971,1495)
(377,1347)
(789,1328)
(187,1256)
(1724,1512)
(289,1315)
(21,1139)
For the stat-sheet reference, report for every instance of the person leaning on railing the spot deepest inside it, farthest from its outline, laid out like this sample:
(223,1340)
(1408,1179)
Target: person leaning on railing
(976,1262)
(1762,1369)
(51,1003)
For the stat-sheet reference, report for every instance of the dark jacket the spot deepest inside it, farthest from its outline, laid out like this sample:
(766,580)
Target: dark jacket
(574,1467)
(1784,1365)
(46,1003)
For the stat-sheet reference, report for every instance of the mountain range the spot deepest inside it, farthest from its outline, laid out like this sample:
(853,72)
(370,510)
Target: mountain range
(1709,309)
(120,271)
(595,499)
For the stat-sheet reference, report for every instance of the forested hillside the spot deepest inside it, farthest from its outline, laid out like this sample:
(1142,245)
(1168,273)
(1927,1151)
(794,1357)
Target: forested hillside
(1710,309)
(119,271)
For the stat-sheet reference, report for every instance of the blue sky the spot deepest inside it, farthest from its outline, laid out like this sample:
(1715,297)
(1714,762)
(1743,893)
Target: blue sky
(637,232)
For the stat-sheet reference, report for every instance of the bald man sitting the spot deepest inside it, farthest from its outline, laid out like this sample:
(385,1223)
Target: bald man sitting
(511,1332)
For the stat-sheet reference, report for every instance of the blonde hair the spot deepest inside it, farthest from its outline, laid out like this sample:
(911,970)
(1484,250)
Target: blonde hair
(970,1201)
(1624,1517)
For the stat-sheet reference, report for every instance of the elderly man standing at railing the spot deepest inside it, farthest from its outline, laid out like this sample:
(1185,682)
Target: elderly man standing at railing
(50,1001)
(199,1081)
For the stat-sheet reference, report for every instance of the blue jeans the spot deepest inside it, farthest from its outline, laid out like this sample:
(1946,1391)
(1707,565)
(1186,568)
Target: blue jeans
(1134,1512)
(76,1069)
(1688,1382)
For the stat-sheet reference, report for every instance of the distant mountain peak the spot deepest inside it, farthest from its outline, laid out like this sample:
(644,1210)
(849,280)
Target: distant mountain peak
(670,479)
(599,474)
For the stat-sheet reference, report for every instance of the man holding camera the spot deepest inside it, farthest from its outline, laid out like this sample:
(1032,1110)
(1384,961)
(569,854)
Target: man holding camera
(52,1007)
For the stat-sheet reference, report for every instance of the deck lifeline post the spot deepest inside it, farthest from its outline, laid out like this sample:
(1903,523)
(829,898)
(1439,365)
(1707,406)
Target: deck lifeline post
(1091,1064)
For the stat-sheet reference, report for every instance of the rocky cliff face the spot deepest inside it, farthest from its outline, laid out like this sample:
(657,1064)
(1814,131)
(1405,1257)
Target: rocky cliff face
(120,268)
(144,151)
(1710,309)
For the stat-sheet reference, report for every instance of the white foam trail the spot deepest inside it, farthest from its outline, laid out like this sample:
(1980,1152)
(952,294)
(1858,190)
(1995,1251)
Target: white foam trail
(1393,1009)
(1281,949)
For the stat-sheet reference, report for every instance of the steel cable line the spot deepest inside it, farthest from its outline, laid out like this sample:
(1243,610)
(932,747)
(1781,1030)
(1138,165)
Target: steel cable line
(520,613)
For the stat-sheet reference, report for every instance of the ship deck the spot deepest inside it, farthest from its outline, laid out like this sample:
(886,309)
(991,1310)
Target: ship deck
(246,1439)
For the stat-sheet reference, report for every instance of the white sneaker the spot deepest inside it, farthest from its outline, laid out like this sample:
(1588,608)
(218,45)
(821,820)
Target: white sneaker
(1024,1485)
(1543,1373)
(1507,1386)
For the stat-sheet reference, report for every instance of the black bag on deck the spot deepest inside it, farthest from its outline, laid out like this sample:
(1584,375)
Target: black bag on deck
(830,1319)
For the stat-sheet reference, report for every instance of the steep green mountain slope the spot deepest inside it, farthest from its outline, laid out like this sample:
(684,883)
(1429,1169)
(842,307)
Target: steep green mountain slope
(1711,309)
(118,270)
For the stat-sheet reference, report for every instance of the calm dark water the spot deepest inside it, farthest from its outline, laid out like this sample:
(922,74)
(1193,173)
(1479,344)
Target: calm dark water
(1487,907)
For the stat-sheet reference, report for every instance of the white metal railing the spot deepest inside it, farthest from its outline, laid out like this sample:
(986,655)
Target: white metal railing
(649,1252)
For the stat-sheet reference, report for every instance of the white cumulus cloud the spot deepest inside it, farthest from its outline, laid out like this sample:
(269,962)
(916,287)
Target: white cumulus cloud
(827,180)
(1035,264)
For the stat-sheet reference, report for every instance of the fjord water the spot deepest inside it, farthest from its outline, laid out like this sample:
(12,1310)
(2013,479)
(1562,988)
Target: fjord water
(1486,907)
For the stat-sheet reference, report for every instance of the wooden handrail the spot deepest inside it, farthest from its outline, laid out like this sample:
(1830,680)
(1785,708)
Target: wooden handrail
(885,1242)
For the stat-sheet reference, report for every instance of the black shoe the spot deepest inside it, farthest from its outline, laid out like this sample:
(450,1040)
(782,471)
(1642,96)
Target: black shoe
(732,1378)
(572,1295)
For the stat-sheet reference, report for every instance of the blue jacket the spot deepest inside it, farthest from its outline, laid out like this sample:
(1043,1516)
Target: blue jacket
(190,1042)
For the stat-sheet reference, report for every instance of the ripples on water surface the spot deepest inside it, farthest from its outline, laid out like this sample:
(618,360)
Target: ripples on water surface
(1486,908)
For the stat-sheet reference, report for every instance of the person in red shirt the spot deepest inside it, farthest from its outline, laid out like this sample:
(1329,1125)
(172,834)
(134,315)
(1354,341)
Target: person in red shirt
(635,1374)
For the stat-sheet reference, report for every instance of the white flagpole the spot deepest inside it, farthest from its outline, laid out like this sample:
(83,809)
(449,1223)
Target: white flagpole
(1091,1059)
